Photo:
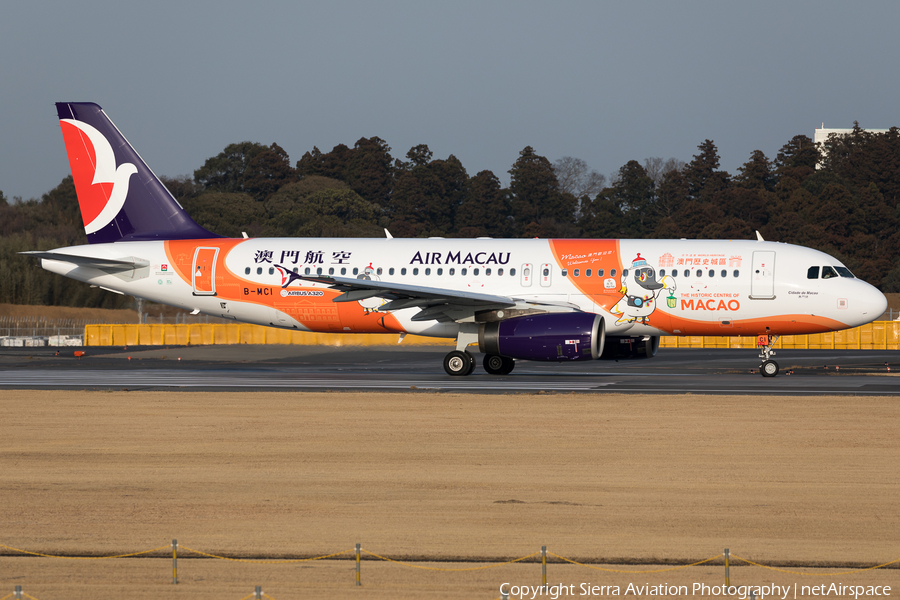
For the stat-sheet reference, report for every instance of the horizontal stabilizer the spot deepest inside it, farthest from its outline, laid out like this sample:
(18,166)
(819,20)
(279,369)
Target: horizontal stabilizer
(106,264)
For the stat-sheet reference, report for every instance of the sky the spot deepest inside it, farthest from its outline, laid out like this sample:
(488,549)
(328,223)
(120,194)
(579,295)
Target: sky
(606,82)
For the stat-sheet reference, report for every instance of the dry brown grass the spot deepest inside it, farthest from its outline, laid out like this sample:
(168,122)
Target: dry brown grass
(808,481)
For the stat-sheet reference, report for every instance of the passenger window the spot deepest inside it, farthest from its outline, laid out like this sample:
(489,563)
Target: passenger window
(512,272)
(499,271)
(416,271)
(587,273)
(712,273)
(699,272)
(247,271)
(296,270)
(475,271)
(737,273)
(828,273)
(463,272)
(812,273)
(565,273)
(259,270)
(487,271)
(319,271)
(546,272)
(612,272)
(624,272)
(687,273)
(378,272)
(355,271)
(576,273)
(403,271)
(674,272)
(600,273)
(331,270)
(440,272)
(391,271)
(428,271)
(662,273)
(305,271)
(724,273)
(271,270)
(453,271)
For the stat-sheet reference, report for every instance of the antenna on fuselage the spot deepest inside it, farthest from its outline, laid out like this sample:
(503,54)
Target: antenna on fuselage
(759,238)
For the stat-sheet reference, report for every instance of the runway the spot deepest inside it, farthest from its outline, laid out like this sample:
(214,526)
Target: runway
(252,368)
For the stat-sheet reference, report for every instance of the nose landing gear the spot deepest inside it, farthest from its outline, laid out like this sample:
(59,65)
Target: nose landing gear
(768,368)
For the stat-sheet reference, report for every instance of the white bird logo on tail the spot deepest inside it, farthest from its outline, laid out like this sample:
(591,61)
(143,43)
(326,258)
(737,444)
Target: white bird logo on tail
(105,171)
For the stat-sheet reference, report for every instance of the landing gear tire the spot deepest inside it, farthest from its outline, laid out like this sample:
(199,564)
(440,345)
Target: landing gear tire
(459,363)
(498,365)
(768,368)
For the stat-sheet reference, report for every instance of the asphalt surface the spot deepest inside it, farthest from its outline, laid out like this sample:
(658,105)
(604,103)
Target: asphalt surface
(287,368)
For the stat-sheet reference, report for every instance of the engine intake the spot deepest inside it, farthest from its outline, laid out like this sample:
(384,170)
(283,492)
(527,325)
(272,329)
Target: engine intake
(547,336)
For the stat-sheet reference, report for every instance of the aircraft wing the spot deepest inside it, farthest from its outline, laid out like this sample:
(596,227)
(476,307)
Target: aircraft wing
(106,264)
(435,303)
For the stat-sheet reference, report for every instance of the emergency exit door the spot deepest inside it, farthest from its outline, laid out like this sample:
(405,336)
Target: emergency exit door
(203,271)
(762,284)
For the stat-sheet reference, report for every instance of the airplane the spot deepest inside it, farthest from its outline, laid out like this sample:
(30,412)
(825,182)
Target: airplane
(557,300)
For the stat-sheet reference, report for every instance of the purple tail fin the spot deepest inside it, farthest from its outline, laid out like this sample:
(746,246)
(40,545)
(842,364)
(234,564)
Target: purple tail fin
(119,196)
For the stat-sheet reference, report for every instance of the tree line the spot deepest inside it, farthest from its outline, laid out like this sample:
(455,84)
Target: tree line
(841,197)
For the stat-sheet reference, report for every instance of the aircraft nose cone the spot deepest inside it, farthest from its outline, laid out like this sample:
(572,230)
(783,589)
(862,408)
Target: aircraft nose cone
(870,303)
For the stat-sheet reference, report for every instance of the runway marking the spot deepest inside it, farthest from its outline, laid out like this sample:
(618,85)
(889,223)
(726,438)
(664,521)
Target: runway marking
(526,381)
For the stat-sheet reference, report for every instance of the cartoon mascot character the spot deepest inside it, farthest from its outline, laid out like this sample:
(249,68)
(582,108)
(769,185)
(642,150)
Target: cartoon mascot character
(639,300)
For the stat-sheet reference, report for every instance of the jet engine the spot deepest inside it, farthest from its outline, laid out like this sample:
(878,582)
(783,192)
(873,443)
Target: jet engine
(546,336)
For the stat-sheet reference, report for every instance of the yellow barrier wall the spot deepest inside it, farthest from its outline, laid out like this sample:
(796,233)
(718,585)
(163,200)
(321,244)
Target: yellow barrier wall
(880,335)
(239,333)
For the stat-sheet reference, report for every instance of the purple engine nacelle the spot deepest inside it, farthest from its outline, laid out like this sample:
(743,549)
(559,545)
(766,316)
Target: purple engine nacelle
(547,336)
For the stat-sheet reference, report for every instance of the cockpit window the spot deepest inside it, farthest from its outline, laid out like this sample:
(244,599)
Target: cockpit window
(812,273)
(828,273)
(844,272)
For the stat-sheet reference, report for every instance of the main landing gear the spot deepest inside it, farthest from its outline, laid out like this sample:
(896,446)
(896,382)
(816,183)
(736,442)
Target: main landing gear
(461,363)
(768,368)
(498,365)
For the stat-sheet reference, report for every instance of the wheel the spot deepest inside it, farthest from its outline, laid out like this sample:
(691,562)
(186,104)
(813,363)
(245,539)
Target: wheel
(768,368)
(498,365)
(459,363)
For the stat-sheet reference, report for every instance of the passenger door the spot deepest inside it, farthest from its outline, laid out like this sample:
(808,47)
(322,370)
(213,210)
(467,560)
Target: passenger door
(762,284)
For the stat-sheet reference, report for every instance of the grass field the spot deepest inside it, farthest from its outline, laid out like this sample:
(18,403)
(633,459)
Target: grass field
(806,482)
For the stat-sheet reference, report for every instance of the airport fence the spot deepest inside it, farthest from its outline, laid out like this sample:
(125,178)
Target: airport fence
(879,335)
(543,556)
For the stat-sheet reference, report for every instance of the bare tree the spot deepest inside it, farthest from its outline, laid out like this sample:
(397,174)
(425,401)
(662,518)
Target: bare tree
(656,167)
(575,178)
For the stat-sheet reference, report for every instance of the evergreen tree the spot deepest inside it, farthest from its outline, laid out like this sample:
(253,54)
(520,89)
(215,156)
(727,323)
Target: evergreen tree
(536,195)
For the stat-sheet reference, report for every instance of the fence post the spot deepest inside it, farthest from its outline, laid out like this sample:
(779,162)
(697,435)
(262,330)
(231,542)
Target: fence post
(544,567)
(18,592)
(357,565)
(727,578)
(258,593)
(174,561)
